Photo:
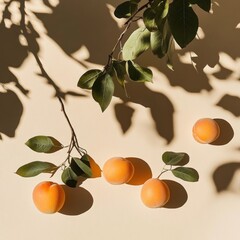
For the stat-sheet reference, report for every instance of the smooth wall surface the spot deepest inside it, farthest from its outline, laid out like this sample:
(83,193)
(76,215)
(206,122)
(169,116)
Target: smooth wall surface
(72,36)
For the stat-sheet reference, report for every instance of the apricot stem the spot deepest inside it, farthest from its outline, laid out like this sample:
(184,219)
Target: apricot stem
(164,170)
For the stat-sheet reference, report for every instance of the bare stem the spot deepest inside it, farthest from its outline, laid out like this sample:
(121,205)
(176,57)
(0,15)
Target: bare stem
(59,94)
(164,170)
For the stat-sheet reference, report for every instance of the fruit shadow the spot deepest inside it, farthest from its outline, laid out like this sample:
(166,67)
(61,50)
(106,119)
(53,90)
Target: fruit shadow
(224,174)
(178,194)
(226,132)
(78,201)
(142,171)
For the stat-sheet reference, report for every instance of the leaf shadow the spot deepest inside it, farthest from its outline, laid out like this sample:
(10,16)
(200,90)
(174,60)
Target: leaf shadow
(223,175)
(78,201)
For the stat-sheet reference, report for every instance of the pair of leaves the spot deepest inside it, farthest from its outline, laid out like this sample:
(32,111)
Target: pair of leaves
(101,82)
(78,167)
(44,144)
(177,159)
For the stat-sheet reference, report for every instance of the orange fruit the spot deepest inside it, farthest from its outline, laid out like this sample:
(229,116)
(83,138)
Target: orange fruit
(48,197)
(206,130)
(118,170)
(155,193)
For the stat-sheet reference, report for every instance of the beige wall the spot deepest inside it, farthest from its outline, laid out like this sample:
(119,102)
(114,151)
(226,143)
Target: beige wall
(163,115)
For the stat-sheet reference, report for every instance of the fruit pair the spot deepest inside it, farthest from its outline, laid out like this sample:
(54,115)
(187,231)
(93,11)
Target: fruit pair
(154,192)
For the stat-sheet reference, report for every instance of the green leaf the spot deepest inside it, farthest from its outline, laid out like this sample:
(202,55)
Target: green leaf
(34,168)
(87,80)
(136,44)
(183,22)
(156,3)
(149,19)
(84,165)
(186,174)
(120,71)
(171,50)
(156,41)
(204,4)
(69,177)
(138,73)
(126,9)
(172,158)
(102,90)
(44,144)
(161,13)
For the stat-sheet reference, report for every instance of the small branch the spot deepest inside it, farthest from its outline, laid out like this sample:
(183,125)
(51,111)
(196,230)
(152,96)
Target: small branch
(164,170)
(128,24)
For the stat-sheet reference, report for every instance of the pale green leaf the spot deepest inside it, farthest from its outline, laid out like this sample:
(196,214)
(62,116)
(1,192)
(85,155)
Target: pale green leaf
(136,44)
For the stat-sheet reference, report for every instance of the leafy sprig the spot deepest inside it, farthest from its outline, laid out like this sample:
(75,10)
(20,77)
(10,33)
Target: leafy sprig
(165,22)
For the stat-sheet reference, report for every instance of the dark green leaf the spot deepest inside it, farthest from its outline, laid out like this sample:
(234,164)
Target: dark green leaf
(69,177)
(204,4)
(183,22)
(186,174)
(156,3)
(149,19)
(87,80)
(138,73)
(137,43)
(84,165)
(156,41)
(34,168)
(44,144)
(126,9)
(172,158)
(102,90)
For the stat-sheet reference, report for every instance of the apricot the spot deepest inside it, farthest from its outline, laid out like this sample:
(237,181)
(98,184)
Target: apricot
(48,197)
(155,193)
(206,130)
(118,170)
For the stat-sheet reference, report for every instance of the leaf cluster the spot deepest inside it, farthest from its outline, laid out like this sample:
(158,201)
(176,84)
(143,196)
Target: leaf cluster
(178,161)
(73,167)
(165,22)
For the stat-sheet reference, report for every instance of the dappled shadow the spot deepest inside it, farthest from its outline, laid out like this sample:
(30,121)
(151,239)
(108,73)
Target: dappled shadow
(78,200)
(224,174)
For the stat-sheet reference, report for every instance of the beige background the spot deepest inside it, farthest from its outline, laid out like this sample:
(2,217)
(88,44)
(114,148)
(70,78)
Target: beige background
(157,117)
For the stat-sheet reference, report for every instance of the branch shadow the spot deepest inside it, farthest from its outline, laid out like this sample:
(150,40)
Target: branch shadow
(78,201)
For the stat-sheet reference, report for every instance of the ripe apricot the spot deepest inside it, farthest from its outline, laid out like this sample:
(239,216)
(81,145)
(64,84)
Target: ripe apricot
(155,193)
(48,197)
(206,130)
(118,170)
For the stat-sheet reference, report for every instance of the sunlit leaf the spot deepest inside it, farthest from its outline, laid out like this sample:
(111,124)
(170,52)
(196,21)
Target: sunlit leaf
(87,80)
(138,73)
(69,177)
(137,43)
(102,90)
(161,13)
(149,19)
(186,174)
(204,4)
(84,164)
(44,144)
(126,9)
(183,22)
(35,168)
(172,158)
(171,50)
(120,71)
